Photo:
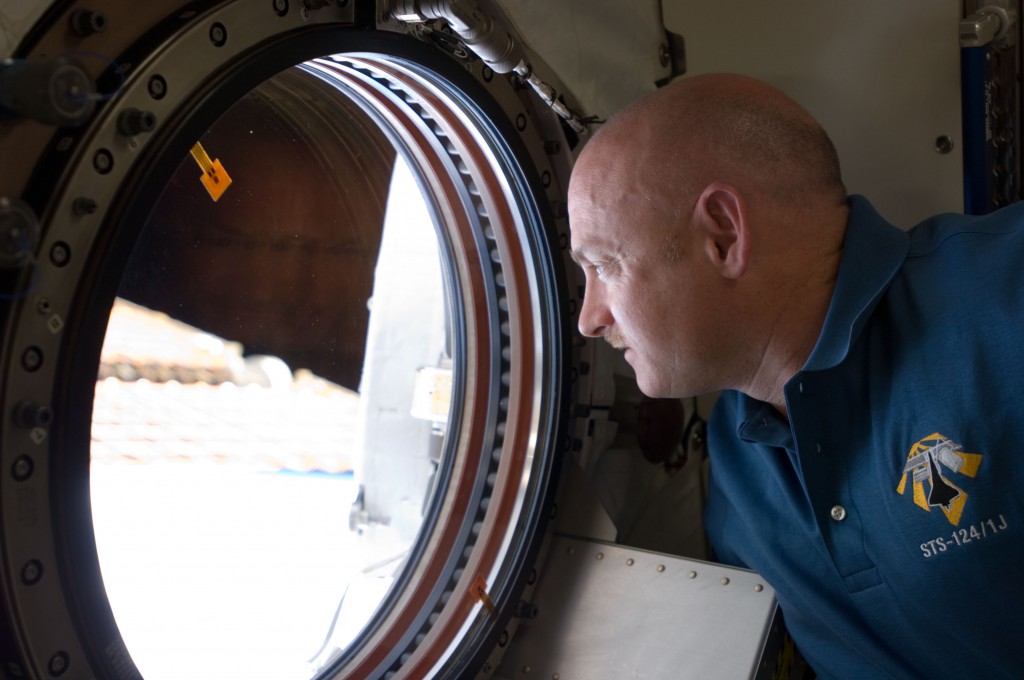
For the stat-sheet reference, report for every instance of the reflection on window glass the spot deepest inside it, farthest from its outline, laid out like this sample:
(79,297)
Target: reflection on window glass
(272,400)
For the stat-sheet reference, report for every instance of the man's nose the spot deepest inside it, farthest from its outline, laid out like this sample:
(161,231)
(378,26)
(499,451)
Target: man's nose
(595,316)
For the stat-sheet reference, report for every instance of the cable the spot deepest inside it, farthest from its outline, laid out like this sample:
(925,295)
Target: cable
(491,43)
(330,630)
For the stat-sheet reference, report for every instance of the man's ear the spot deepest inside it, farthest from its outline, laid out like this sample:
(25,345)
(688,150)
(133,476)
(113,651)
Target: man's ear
(720,217)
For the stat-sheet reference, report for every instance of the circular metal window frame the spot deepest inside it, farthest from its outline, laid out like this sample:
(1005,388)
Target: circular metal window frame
(478,146)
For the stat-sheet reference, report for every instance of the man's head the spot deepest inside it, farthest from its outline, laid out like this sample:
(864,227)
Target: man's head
(692,212)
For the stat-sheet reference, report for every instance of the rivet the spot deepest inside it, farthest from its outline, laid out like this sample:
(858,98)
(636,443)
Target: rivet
(32,572)
(60,254)
(22,468)
(218,34)
(32,359)
(661,568)
(103,161)
(526,669)
(758,588)
(281,7)
(600,556)
(520,122)
(943,144)
(725,580)
(157,87)
(58,663)
(692,574)
(629,562)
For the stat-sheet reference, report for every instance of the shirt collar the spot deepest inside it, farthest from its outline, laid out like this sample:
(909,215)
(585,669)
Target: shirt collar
(873,252)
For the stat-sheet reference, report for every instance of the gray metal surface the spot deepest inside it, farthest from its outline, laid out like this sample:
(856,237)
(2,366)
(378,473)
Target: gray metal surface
(606,611)
(882,77)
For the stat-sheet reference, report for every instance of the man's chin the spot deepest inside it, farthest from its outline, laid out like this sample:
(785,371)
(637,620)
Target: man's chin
(654,389)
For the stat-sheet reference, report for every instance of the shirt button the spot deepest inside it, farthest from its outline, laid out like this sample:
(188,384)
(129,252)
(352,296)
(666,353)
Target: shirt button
(838,513)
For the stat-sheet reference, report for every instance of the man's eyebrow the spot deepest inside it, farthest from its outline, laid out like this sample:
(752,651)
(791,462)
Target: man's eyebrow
(578,256)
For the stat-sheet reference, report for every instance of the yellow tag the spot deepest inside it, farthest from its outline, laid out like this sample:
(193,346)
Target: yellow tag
(215,178)
(479,589)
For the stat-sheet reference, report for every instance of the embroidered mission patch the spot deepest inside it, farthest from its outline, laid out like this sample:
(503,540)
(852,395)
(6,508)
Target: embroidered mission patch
(926,462)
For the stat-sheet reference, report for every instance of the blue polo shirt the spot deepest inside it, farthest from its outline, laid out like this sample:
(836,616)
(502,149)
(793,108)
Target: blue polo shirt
(888,513)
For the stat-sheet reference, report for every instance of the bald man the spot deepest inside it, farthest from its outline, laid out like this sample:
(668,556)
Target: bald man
(865,452)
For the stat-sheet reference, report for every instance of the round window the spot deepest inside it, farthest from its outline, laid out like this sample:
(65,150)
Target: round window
(291,366)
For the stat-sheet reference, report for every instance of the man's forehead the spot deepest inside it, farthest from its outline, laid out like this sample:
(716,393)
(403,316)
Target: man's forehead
(592,242)
(600,163)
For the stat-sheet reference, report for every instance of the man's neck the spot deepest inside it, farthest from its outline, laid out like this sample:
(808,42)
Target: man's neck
(794,332)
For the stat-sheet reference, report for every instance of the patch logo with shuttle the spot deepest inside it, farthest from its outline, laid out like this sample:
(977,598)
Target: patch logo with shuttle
(927,461)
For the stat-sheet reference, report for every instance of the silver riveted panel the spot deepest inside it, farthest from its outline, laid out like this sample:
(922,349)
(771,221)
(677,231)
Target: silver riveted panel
(607,611)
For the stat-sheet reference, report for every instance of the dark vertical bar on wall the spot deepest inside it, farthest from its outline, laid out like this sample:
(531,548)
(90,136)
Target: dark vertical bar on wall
(977,133)
(990,71)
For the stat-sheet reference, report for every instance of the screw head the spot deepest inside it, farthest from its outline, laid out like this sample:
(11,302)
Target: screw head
(157,87)
(103,161)
(32,572)
(32,359)
(22,468)
(218,34)
(59,663)
(60,254)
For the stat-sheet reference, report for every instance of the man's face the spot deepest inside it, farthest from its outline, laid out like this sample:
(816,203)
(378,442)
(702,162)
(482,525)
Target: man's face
(644,277)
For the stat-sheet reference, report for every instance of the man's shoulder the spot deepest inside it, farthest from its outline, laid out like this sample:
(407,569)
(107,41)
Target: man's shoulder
(958,262)
(953,235)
